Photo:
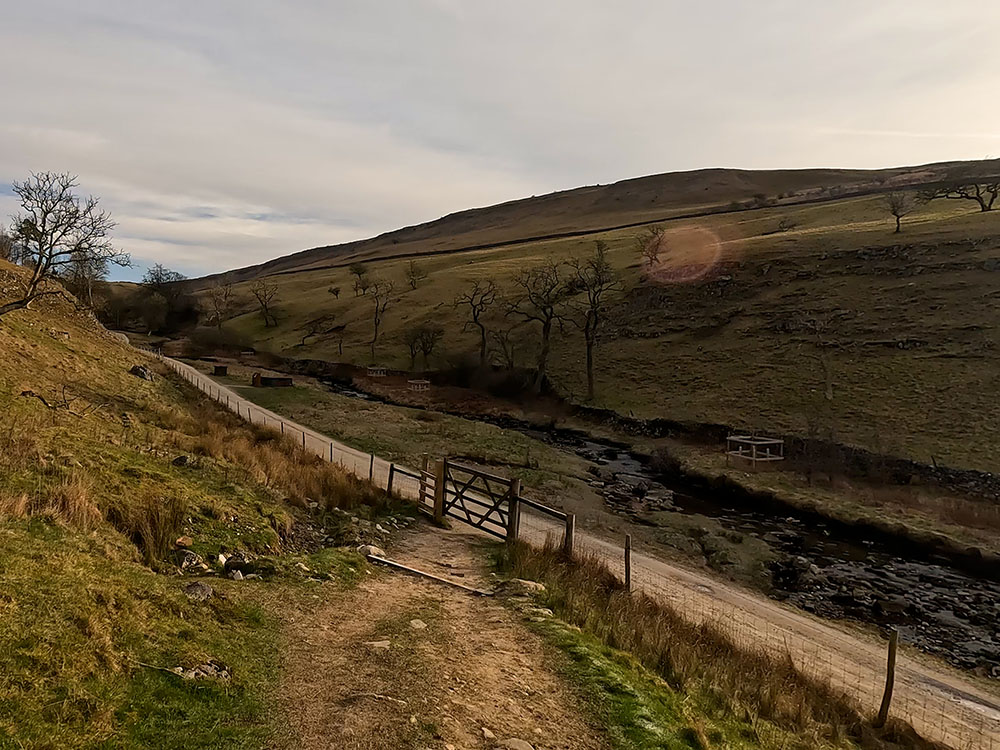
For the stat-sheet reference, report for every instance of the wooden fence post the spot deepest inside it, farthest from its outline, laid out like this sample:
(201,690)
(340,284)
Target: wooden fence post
(371,467)
(514,511)
(388,484)
(628,562)
(331,451)
(570,533)
(439,474)
(303,439)
(890,679)
(282,427)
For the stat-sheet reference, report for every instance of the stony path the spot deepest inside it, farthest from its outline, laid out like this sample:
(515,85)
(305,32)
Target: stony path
(403,662)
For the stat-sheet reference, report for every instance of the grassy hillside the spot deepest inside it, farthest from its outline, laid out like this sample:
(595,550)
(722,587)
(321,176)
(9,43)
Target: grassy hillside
(644,199)
(101,475)
(838,327)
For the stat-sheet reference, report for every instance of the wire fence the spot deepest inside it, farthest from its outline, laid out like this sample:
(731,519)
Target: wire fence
(948,711)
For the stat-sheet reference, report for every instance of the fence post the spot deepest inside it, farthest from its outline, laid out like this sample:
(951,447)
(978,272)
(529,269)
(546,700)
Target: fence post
(388,484)
(282,427)
(514,511)
(303,439)
(439,474)
(371,467)
(331,451)
(628,562)
(890,679)
(570,533)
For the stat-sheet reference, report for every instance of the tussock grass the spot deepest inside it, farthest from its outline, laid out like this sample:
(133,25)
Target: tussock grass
(700,659)
(152,521)
(70,502)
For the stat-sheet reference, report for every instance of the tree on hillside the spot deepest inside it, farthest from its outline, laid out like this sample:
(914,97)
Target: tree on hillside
(649,243)
(899,205)
(162,280)
(381,293)
(984,194)
(54,227)
(414,274)
(181,307)
(84,273)
(362,280)
(503,347)
(540,296)
(593,278)
(320,326)
(335,291)
(478,299)
(7,247)
(265,293)
(411,337)
(220,302)
(430,335)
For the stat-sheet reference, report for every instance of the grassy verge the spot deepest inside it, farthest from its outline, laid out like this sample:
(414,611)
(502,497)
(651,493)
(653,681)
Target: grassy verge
(109,484)
(743,695)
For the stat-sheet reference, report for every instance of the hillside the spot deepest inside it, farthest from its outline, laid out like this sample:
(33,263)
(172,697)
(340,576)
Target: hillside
(836,327)
(628,202)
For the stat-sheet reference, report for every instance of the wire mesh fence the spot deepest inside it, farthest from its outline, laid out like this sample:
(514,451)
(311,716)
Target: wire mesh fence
(945,713)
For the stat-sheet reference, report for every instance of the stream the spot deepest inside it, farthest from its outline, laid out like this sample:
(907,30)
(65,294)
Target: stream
(821,567)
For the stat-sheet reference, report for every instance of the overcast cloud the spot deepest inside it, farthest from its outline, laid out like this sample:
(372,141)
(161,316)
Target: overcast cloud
(224,132)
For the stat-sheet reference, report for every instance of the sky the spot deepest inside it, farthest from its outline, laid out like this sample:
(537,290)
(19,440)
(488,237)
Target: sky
(221,133)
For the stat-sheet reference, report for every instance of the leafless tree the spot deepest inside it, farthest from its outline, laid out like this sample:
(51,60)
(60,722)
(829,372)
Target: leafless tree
(649,243)
(362,279)
(220,302)
(541,295)
(983,193)
(381,293)
(411,337)
(54,227)
(414,274)
(265,292)
(7,247)
(335,291)
(319,326)
(83,274)
(504,347)
(429,338)
(161,280)
(593,278)
(478,299)
(899,205)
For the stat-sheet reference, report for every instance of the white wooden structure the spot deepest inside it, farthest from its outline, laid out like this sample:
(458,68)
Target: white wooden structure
(753,450)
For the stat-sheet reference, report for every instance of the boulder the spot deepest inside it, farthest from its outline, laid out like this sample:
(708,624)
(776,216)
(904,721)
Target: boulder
(521,587)
(371,550)
(181,461)
(141,371)
(184,542)
(198,591)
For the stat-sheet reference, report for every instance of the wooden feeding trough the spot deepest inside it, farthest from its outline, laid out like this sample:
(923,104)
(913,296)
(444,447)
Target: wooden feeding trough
(220,370)
(419,385)
(754,450)
(374,371)
(266,381)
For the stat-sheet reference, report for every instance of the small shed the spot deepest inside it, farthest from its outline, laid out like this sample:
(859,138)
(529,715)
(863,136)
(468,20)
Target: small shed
(267,381)
(220,370)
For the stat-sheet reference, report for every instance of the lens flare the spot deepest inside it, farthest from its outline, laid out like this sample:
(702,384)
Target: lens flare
(686,254)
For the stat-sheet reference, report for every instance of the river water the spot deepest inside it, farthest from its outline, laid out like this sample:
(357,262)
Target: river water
(821,567)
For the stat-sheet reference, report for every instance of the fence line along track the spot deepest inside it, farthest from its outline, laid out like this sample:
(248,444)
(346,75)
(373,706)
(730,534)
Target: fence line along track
(939,705)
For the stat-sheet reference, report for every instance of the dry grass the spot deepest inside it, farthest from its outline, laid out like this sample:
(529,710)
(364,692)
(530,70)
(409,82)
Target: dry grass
(152,521)
(70,502)
(700,659)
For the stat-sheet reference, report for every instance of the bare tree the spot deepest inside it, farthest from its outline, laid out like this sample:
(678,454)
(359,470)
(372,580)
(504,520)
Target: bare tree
(54,227)
(319,326)
(540,297)
(265,292)
(899,205)
(414,274)
(220,302)
(83,274)
(983,193)
(411,337)
(162,280)
(649,243)
(335,291)
(430,335)
(478,299)
(7,247)
(362,280)
(504,347)
(593,278)
(381,294)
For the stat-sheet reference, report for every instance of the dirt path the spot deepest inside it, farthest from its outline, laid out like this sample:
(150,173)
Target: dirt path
(939,702)
(360,675)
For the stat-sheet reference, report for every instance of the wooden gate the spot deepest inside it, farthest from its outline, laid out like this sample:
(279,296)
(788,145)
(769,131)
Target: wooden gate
(480,499)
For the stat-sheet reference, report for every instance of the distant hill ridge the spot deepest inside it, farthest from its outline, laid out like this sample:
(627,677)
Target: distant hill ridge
(629,202)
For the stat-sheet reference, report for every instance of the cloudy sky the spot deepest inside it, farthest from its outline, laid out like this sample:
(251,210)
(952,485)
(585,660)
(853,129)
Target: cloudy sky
(224,132)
